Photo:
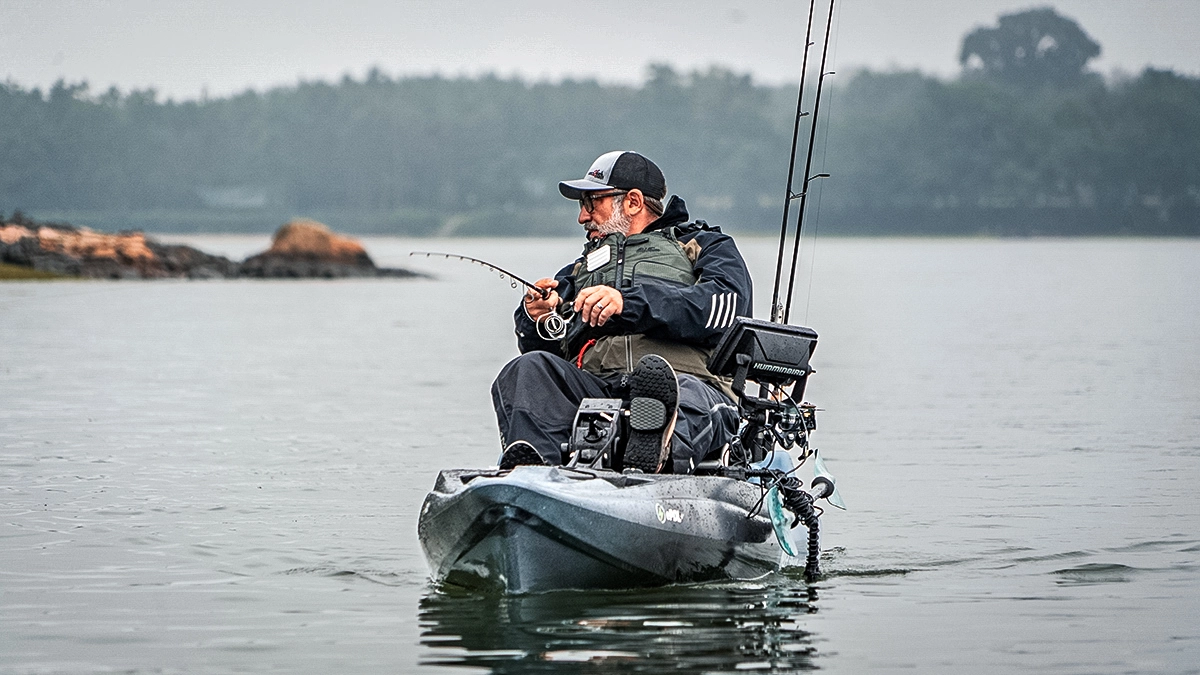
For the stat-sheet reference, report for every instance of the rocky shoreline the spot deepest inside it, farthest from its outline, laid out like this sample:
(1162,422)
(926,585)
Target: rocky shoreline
(301,249)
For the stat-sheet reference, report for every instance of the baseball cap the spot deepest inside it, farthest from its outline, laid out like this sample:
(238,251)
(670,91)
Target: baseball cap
(618,170)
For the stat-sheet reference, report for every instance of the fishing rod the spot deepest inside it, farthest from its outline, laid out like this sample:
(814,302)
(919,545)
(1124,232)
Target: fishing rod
(812,138)
(515,280)
(789,196)
(551,326)
(787,491)
(785,309)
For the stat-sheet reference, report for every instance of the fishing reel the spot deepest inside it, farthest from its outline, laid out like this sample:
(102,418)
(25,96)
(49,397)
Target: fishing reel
(552,326)
(786,426)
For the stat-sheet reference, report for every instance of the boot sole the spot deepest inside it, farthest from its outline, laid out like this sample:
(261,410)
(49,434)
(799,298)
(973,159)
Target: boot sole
(520,453)
(654,402)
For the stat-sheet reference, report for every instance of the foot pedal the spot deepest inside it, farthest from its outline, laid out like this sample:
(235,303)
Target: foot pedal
(595,432)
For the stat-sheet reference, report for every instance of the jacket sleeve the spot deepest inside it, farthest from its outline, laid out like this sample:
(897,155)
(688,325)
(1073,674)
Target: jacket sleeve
(528,339)
(696,314)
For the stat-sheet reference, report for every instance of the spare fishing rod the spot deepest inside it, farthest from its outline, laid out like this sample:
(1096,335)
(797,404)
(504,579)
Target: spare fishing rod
(551,326)
(786,491)
(780,313)
(789,196)
(808,177)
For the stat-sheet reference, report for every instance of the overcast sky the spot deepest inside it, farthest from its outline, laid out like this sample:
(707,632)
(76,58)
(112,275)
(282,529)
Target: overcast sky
(184,47)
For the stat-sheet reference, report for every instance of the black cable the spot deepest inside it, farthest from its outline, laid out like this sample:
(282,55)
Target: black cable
(800,503)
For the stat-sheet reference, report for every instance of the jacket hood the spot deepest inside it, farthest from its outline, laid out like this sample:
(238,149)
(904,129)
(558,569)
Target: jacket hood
(675,213)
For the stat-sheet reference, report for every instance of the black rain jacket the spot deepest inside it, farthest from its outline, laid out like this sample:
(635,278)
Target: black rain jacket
(664,310)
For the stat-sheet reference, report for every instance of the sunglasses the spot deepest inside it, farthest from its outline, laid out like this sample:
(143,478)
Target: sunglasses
(588,201)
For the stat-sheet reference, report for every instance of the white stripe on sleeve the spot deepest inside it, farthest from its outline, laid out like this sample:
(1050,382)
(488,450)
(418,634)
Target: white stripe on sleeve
(730,310)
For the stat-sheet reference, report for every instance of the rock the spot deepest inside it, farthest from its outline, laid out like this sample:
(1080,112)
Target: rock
(303,238)
(301,249)
(307,249)
(80,252)
(179,260)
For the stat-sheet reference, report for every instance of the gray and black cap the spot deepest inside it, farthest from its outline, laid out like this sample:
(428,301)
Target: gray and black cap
(618,170)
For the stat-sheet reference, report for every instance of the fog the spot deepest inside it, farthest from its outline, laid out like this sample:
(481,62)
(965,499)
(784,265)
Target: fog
(188,50)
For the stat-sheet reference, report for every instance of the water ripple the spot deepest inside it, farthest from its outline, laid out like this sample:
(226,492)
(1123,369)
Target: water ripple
(1096,573)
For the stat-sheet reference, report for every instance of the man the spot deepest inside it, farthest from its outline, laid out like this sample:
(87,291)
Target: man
(646,302)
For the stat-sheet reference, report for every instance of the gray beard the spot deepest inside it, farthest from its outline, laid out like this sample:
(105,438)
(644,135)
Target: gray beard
(619,221)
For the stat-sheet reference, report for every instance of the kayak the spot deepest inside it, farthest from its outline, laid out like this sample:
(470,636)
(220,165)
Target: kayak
(539,528)
(588,526)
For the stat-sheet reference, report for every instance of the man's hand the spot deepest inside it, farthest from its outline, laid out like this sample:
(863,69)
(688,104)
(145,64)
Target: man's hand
(535,305)
(597,304)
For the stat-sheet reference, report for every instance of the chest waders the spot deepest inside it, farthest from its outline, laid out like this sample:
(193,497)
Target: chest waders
(622,262)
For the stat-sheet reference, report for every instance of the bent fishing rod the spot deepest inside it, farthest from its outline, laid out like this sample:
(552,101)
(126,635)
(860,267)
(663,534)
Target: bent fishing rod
(515,280)
(551,326)
(781,313)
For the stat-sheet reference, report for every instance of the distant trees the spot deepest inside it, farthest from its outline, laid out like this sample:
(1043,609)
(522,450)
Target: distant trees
(1033,47)
(920,154)
(416,154)
(425,155)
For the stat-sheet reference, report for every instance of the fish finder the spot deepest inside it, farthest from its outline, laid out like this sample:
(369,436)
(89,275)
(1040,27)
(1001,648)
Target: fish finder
(764,352)
(776,356)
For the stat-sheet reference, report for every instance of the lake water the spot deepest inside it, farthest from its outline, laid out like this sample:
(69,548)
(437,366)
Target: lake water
(224,476)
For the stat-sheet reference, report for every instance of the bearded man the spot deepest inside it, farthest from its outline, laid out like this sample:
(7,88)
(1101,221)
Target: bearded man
(651,295)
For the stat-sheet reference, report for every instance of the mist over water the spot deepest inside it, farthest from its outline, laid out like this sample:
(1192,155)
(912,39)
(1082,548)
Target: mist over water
(217,476)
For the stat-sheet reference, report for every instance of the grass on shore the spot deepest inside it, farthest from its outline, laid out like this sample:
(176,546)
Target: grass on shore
(20,273)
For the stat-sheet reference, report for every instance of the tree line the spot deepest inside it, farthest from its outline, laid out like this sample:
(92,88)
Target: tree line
(1012,146)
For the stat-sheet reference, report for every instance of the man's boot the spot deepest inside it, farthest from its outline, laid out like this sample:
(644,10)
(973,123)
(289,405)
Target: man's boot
(653,406)
(520,453)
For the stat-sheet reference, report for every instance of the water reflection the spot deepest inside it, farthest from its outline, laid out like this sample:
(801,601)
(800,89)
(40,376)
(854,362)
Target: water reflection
(694,629)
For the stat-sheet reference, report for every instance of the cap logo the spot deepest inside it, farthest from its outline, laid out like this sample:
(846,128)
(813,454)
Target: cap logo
(598,174)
